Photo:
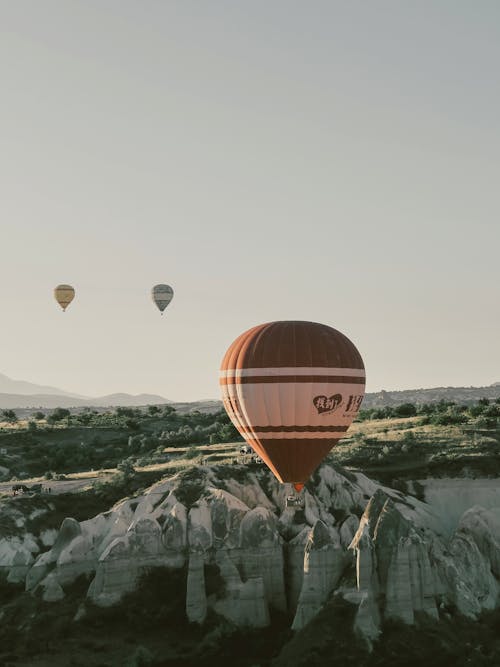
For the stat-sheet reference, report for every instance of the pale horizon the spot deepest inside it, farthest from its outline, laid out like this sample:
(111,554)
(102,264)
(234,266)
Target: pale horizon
(332,162)
(217,397)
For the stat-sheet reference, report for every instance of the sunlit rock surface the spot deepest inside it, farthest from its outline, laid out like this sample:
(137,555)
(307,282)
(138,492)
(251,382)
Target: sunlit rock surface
(244,555)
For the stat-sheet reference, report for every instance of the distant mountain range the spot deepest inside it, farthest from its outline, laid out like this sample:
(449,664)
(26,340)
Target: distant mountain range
(21,387)
(21,394)
(24,395)
(65,401)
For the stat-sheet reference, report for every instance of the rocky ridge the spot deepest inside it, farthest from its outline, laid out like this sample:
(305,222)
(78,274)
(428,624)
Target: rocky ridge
(387,552)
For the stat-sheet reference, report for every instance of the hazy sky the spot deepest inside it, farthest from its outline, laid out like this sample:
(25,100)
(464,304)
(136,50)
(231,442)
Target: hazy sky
(333,161)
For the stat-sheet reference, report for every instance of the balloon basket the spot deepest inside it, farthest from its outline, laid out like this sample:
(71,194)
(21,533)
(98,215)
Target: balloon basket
(295,499)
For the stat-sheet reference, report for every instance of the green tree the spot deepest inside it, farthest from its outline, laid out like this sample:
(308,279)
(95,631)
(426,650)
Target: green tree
(122,411)
(58,415)
(85,418)
(127,470)
(39,415)
(9,416)
(476,410)
(405,410)
(132,424)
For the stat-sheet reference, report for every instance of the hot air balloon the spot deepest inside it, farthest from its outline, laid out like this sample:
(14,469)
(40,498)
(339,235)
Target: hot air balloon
(64,295)
(162,295)
(292,390)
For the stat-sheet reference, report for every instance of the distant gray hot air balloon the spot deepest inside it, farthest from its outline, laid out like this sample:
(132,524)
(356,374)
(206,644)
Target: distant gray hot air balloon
(162,296)
(64,295)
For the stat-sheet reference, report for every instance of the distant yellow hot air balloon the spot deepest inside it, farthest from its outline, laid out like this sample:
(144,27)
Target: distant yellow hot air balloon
(162,295)
(64,295)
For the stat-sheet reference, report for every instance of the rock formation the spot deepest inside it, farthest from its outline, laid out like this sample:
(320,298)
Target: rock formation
(232,521)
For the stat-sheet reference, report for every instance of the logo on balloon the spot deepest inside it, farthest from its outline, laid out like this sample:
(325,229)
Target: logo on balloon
(324,404)
(354,403)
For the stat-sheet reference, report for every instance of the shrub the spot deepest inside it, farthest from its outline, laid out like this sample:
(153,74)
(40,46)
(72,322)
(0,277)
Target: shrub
(409,437)
(85,418)
(58,415)
(9,416)
(449,418)
(126,412)
(405,410)
(132,424)
(192,453)
(126,469)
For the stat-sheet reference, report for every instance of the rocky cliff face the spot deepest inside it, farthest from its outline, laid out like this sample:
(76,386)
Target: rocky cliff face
(233,521)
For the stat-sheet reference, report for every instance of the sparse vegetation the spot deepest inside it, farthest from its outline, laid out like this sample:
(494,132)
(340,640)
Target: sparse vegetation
(9,416)
(441,438)
(387,444)
(427,438)
(442,413)
(91,440)
(58,415)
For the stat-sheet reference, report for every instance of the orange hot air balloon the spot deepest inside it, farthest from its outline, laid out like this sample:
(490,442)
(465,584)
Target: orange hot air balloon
(292,390)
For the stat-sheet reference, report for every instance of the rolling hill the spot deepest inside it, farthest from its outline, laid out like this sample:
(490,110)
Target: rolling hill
(24,395)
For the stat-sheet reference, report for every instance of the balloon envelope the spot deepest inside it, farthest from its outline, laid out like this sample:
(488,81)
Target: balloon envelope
(162,296)
(292,390)
(64,295)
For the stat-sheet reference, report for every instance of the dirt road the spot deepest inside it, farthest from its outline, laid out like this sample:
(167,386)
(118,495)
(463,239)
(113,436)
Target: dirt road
(62,486)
